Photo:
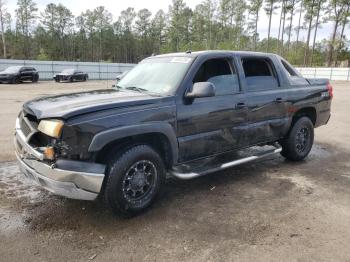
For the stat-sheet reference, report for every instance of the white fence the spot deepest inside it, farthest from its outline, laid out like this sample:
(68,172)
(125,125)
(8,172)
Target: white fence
(332,73)
(46,69)
(102,71)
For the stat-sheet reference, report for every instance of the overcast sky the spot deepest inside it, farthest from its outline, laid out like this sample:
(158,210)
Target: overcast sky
(116,6)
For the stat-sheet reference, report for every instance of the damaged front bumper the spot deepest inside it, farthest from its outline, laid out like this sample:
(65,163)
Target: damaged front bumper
(72,179)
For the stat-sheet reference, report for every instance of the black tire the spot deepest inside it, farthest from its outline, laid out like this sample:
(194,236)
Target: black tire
(84,79)
(139,169)
(35,78)
(16,80)
(298,143)
(71,79)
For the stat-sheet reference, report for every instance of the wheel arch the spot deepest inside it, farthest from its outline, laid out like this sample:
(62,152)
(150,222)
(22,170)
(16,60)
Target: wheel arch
(160,136)
(309,112)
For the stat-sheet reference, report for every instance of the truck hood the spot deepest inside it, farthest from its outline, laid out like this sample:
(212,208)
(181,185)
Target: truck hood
(69,105)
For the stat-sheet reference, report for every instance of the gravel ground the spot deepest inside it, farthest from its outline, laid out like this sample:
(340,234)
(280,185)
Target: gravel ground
(271,210)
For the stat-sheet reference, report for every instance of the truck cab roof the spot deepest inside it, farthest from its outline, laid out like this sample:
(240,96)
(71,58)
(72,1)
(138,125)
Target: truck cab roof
(213,53)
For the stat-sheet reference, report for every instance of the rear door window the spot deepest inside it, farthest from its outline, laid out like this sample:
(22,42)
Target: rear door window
(221,73)
(27,69)
(260,74)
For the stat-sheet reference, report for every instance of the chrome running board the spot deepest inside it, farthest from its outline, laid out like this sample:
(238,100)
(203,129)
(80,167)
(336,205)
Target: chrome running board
(191,175)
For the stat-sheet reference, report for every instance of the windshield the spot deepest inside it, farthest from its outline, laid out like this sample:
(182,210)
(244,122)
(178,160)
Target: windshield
(12,69)
(156,75)
(68,71)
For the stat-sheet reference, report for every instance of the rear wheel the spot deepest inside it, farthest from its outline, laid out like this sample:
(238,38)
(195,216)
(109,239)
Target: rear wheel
(298,143)
(35,78)
(134,179)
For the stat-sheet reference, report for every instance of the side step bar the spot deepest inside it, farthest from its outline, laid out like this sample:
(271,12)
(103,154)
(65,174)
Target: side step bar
(191,175)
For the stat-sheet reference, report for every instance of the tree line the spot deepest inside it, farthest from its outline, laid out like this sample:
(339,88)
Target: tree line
(56,34)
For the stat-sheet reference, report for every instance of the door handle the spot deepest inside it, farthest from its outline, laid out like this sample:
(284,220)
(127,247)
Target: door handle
(241,105)
(279,100)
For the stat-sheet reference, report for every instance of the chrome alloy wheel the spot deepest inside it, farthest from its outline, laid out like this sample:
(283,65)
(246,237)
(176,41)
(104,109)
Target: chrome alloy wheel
(302,139)
(139,180)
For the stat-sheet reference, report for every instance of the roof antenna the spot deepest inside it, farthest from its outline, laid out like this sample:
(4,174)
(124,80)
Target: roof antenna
(188,52)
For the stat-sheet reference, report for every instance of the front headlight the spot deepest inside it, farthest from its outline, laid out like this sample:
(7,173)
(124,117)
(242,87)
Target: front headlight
(51,128)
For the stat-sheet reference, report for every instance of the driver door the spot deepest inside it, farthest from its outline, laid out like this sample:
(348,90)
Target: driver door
(25,73)
(212,125)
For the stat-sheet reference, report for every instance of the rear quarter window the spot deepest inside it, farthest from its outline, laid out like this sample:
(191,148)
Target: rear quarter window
(294,77)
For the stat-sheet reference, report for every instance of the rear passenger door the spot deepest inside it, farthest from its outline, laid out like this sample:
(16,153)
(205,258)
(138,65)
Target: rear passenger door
(81,75)
(77,75)
(26,73)
(265,99)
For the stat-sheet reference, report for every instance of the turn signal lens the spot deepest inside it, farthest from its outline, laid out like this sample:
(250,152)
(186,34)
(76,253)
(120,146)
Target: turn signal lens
(49,153)
(51,128)
(330,90)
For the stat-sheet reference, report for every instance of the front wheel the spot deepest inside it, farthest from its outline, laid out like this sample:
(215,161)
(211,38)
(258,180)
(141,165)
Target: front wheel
(16,80)
(134,180)
(298,143)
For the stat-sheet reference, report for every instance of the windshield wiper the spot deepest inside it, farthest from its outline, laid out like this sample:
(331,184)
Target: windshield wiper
(135,88)
(140,90)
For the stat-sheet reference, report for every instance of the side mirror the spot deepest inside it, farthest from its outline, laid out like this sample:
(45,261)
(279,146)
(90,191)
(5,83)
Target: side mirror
(201,89)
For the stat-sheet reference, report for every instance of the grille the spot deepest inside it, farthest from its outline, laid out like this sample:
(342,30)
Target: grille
(28,124)
(33,121)
(25,127)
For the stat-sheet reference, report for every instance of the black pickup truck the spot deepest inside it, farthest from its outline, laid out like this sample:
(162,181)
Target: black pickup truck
(183,114)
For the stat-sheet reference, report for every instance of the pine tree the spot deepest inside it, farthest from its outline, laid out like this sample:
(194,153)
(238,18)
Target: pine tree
(158,30)
(269,9)
(319,8)
(254,9)
(310,6)
(336,8)
(26,15)
(5,19)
